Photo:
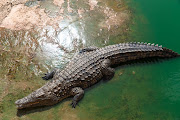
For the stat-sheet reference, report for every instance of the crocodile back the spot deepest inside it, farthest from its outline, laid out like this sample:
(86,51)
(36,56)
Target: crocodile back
(133,51)
(85,69)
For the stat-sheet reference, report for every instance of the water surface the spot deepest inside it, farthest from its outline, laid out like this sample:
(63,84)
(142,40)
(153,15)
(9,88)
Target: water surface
(142,91)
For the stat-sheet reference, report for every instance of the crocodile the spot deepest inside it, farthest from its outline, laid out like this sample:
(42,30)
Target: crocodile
(88,67)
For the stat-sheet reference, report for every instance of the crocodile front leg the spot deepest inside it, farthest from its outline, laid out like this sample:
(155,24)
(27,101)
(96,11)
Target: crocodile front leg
(49,75)
(88,49)
(78,94)
(107,71)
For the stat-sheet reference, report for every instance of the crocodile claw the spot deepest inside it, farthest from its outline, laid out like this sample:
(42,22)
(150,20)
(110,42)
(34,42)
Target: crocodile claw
(73,104)
(46,76)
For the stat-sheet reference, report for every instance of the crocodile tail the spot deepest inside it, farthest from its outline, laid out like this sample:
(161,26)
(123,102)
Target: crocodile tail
(156,50)
(152,50)
(134,51)
(169,53)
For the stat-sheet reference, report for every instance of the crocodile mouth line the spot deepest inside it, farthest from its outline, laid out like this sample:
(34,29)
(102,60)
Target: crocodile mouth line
(21,105)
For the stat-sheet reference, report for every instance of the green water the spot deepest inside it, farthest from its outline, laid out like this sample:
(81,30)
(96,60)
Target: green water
(142,91)
(153,91)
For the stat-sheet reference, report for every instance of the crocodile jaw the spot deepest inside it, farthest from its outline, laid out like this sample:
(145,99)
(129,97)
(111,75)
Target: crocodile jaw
(29,102)
(35,99)
(24,102)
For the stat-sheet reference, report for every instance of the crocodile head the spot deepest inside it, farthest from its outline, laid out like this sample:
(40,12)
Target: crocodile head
(37,98)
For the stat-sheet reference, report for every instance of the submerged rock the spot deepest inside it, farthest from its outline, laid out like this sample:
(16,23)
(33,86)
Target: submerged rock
(31,3)
(23,17)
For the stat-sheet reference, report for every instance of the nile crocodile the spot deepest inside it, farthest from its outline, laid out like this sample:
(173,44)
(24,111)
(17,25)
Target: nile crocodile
(88,67)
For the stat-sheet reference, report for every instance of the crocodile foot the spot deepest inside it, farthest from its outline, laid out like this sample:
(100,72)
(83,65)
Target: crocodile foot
(48,76)
(73,104)
(78,94)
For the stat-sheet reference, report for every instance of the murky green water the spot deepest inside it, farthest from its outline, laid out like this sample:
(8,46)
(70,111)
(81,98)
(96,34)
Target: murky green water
(144,91)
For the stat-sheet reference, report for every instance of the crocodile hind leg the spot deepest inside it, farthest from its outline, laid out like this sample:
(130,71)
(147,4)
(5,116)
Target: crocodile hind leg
(50,75)
(78,94)
(107,71)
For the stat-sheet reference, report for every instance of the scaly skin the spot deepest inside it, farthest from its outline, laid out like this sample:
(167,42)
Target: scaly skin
(87,68)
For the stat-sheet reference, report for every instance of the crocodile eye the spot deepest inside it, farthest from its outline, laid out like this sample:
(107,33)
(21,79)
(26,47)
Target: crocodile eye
(41,95)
